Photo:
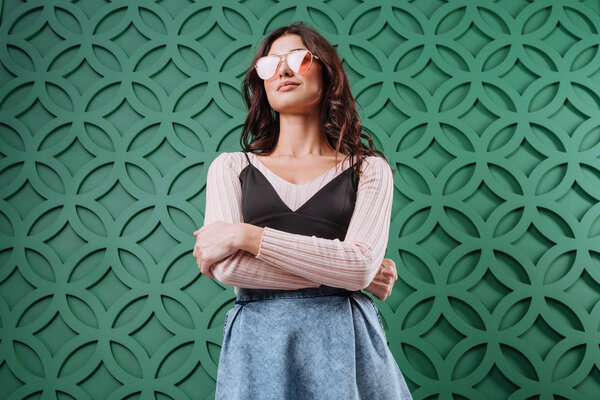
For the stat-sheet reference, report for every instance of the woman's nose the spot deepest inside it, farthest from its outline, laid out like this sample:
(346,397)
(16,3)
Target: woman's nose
(284,68)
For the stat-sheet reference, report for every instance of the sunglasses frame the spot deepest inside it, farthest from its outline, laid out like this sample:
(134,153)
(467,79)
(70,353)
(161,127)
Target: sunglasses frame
(282,58)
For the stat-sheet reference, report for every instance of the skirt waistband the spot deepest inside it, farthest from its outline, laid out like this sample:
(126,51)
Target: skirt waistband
(247,294)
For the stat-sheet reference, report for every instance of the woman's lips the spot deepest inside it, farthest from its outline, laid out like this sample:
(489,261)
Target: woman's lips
(287,87)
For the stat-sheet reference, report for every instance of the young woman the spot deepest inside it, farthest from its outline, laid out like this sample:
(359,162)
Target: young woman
(299,234)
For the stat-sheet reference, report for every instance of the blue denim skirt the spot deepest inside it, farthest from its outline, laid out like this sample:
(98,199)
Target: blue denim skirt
(309,343)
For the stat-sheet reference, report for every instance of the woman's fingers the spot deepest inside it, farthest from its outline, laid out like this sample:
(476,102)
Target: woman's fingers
(392,267)
(196,249)
(390,273)
(195,252)
(389,268)
(202,266)
(209,272)
(197,232)
(203,269)
(387,278)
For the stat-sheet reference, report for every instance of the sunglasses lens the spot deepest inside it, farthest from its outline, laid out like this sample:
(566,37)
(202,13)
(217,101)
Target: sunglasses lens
(299,61)
(266,66)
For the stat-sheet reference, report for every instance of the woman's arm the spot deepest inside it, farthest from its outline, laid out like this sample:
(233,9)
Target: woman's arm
(352,263)
(240,269)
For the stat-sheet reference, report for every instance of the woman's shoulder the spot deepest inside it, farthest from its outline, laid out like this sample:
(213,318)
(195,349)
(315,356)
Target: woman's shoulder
(375,165)
(234,160)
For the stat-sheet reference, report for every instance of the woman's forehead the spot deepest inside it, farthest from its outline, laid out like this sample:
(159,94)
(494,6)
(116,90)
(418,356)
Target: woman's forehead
(286,43)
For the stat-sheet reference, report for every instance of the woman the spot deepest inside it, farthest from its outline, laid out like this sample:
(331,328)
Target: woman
(299,237)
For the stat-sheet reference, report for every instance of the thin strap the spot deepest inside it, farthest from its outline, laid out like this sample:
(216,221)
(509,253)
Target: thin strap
(355,162)
(246,154)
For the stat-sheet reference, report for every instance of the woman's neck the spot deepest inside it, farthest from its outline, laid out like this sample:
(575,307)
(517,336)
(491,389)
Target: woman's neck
(301,135)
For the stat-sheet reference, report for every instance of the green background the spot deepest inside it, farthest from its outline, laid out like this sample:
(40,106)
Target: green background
(111,112)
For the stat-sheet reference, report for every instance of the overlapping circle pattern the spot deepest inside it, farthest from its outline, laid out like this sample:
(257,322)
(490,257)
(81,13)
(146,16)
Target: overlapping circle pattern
(110,113)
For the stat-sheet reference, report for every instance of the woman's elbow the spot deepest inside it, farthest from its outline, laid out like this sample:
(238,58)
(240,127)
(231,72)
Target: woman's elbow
(369,272)
(221,274)
(368,264)
(364,279)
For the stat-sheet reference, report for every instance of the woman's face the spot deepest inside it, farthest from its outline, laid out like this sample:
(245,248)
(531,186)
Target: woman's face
(303,98)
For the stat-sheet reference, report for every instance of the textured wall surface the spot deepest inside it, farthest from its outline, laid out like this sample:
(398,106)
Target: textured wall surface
(110,113)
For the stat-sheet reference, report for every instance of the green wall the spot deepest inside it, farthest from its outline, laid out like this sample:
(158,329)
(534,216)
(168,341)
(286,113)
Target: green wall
(110,113)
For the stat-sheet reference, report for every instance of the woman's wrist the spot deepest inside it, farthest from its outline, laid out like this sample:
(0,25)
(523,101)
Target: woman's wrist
(248,238)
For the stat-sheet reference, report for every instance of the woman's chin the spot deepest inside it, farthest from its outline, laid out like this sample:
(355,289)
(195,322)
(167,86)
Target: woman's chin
(294,106)
(290,108)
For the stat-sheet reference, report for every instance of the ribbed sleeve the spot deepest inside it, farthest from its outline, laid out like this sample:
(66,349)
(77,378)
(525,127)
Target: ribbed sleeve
(240,269)
(354,262)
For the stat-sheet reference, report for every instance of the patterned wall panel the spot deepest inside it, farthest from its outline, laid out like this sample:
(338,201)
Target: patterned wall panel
(110,113)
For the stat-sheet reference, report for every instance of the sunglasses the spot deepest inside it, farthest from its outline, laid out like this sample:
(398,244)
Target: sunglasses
(299,61)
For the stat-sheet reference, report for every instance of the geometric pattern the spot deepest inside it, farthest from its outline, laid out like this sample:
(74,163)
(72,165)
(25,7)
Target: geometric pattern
(111,112)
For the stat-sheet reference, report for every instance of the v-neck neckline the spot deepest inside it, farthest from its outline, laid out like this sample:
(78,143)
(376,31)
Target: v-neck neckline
(310,199)
(326,173)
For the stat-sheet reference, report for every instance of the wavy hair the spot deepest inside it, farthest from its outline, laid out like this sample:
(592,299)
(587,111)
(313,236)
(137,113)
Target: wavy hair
(338,116)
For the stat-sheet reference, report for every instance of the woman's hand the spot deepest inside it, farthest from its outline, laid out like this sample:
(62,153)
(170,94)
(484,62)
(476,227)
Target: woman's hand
(383,283)
(214,242)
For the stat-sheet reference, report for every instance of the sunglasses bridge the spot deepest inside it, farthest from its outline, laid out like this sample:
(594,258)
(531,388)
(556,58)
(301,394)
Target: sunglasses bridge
(283,57)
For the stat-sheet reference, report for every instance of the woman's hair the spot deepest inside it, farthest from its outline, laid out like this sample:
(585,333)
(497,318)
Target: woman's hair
(338,115)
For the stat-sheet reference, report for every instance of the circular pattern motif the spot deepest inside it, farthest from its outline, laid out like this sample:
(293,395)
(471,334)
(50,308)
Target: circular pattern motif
(112,111)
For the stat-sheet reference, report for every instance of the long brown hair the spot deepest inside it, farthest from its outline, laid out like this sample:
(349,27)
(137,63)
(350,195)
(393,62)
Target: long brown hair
(338,116)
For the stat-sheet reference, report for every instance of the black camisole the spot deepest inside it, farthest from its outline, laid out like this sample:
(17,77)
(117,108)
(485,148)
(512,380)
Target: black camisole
(326,214)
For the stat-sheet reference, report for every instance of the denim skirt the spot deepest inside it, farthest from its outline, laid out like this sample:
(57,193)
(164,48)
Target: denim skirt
(309,343)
